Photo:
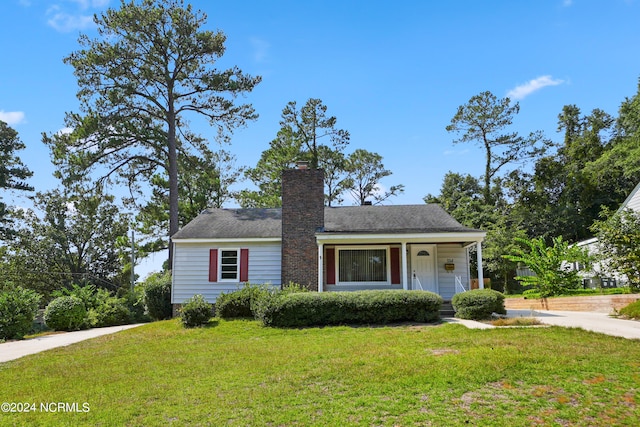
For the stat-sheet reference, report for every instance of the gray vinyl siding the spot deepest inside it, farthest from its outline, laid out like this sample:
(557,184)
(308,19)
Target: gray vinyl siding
(191,269)
(446,279)
(634,202)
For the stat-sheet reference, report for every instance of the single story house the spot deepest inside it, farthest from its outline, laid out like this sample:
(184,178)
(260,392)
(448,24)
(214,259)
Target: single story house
(323,248)
(599,275)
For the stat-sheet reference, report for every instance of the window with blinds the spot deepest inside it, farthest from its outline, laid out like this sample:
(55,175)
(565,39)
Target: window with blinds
(229,265)
(362,265)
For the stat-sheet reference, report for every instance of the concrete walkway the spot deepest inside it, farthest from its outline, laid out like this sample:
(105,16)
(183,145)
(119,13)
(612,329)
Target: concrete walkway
(16,349)
(590,321)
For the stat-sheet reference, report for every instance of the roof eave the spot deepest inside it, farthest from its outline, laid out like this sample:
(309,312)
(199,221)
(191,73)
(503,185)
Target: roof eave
(449,237)
(227,240)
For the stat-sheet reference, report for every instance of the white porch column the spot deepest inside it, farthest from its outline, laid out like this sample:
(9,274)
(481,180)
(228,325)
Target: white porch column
(405,270)
(480,276)
(320,268)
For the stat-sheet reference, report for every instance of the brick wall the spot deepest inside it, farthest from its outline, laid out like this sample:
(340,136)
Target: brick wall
(302,215)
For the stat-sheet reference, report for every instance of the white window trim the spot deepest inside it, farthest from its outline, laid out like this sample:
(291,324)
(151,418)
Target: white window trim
(387,249)
(237,278)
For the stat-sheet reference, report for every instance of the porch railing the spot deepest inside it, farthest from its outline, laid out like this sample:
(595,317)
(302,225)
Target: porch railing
(415,280)
(459,286)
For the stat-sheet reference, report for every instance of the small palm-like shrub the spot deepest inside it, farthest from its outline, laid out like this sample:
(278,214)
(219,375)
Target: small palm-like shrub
(478,304)
(196,311)
(65,314)
(18,308)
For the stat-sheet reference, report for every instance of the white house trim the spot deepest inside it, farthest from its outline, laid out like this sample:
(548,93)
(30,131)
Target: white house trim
(227,241)
(480,275)
(320,268)
(405,268)
(347,238)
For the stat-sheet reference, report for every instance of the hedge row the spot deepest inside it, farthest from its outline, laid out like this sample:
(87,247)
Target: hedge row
(248,300)
(361,307)
(238,304)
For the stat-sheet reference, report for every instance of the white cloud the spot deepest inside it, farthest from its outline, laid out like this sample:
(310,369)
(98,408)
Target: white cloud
(12,117)
(65,131)
(85,4)
(526,89)
(65,23)
(260,49)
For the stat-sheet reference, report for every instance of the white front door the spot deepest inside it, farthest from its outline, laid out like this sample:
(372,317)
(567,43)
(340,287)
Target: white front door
(423,268)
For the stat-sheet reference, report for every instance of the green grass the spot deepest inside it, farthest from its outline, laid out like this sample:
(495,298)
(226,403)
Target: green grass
(239,373)
(631,311)
(531,294)
(516,321)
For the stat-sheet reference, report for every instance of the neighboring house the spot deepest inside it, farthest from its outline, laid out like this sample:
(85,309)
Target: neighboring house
(598,276)
(323,248)
(633,200)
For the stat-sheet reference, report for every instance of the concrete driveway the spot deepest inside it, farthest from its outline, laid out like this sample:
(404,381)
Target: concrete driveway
(16,349)
(590,321)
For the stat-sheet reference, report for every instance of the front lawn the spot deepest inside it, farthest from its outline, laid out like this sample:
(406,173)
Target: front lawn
(239,373)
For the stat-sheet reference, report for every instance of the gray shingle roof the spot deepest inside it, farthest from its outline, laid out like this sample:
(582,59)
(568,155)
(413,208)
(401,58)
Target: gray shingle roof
(233,223)
(428,218)
(267,223)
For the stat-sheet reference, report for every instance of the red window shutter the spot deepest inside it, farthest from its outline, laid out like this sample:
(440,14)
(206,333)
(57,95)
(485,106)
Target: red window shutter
(213,265)
(330,262)
(395,266)
(244,265)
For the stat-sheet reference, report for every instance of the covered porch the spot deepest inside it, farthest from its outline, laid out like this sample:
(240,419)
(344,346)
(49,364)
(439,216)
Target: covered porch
(436,262)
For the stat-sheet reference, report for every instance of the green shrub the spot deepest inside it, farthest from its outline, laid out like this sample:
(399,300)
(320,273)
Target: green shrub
(239,303)
(90,296)
(18,308)
(135,303)
(617,291)
(103,308)
(531,294)
(362,307)
(478,304)
(196,311)
(65,314)
(157,295)
(631,311)
(111,312)
(260,304)
(535,294)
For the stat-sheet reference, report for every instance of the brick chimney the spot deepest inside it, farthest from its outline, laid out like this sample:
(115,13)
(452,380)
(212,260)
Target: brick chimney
(302,215)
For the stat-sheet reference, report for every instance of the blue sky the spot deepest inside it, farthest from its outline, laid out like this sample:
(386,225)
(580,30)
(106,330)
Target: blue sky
(393,73)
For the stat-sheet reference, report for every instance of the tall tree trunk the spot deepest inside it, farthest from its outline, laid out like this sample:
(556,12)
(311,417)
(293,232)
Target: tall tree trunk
(487,176)
(173,181)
